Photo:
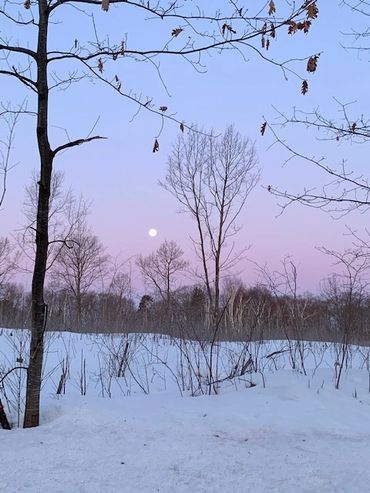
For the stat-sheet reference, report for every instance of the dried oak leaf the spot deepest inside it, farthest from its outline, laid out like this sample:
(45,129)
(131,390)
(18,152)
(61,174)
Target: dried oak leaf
(176,32)
(105,5)
(263,41)
(293,27)
(304,88)
(353,127)
(182,128)
(156,146)
(312,11)
(312,63)
(272,30)
(267,44)
(163,108)
(304,26)
(263,128)
(100,65)
(27,4)
(272,7)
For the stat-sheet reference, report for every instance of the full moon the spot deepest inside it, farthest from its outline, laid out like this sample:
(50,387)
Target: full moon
(152,232)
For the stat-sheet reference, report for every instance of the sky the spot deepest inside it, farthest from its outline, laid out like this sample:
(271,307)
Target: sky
(120,175)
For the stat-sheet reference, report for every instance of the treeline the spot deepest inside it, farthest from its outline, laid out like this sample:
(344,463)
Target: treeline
(246,314)
(88,291)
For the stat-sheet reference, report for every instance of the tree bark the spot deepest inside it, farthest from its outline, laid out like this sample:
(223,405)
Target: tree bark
(39,309)
(3,419)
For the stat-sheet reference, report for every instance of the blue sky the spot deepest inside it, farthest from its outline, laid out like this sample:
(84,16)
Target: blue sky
(120,175)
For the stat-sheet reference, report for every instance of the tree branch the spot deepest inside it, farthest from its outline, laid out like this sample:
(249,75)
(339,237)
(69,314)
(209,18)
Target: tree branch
(19,49)
(25,80)
(75,143)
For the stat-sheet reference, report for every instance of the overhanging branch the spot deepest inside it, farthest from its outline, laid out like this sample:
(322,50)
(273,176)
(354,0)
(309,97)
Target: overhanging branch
(75,143)
(19,49)
(25,80)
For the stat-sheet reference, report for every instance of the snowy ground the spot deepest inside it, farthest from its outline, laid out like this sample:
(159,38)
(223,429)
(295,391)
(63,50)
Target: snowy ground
(295,434)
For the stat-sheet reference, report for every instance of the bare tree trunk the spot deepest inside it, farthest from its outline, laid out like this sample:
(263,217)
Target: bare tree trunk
(79,310)
(32,410)
(3,419)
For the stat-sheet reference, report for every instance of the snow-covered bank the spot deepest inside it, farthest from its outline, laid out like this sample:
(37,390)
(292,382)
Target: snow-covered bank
(289,433)
(284,438)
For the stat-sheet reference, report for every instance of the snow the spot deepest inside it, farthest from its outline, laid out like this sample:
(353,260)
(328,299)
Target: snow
(290,433)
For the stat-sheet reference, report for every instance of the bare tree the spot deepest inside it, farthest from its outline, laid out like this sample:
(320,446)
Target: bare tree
(121,283)
(345,294)
(186,30)
(8,261)
(211,178)
(293,310)
(160,269)
(9,119)
(119,306)
(66,213)
(80,264)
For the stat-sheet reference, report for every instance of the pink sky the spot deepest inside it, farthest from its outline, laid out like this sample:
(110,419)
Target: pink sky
(121,175)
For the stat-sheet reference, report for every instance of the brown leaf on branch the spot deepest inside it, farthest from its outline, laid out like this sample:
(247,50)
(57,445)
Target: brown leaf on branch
(263,42)
(353,127)
(304,26)
(105,5)
(156,146)
(263,128)
(163,108)
(304,88)
(27,4)
(293,27)
(176,32)
(100,65)
(182,127)
(267,44)
(272,7)
(272,30)
(312,63)
(312,11)
(227,27)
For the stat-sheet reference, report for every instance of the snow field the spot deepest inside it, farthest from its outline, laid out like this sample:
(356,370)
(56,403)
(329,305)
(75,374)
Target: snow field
(289,433)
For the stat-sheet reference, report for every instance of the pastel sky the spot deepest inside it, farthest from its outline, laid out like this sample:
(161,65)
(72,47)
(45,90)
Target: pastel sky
(120,175)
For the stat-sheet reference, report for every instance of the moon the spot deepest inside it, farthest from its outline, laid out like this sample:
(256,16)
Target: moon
(152,232)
